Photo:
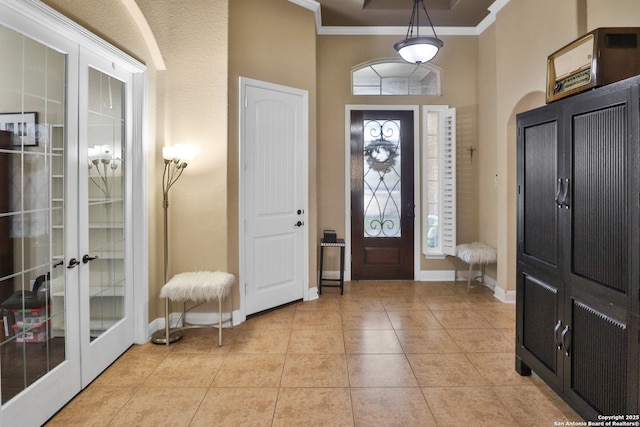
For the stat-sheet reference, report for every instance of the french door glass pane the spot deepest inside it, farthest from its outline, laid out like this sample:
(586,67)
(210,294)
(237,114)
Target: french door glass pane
(106,200)
(382,199)
(32,205)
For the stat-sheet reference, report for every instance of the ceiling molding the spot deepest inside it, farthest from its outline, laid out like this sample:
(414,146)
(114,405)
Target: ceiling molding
(393,31)
(491,18)
(314,6)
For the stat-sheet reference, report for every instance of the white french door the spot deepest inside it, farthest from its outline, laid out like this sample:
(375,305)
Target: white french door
(105,133)
(67,139)
(274,234)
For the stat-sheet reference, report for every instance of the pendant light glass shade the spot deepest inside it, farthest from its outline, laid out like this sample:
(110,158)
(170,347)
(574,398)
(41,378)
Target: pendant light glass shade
(418,50)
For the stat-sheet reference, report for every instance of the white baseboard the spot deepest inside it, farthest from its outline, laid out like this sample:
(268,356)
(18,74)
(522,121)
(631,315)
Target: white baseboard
(208,318)
(202,318)
(331,274)
(499,293)
(508,297)
(436,276)
(312,293)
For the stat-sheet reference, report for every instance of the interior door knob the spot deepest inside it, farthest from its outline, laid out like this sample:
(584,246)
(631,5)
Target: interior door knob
(299,224)
(73,263)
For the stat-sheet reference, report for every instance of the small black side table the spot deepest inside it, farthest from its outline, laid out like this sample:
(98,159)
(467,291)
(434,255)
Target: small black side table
(339,243)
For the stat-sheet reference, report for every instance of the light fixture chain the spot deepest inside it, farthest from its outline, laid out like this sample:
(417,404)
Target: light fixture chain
(414,14)
(428,18)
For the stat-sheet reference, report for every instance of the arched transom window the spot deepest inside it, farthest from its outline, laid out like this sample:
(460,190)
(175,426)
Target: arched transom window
(391,76)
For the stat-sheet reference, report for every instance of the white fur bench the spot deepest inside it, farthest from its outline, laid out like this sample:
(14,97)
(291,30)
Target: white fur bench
(199,287)
(475,253)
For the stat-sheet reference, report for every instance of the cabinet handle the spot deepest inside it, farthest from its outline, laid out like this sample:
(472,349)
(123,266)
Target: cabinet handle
(565,195)
(558,191)
(566,346)
(555,335)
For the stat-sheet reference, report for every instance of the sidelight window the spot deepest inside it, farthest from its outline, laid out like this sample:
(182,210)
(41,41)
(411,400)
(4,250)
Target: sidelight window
(439,181)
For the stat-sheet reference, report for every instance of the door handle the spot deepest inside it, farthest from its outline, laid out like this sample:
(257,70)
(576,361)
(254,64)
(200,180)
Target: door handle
(87,258)
(298,224)
(73,263)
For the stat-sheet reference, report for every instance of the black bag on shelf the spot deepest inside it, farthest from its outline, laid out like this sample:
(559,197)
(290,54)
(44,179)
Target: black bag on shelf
(32,299)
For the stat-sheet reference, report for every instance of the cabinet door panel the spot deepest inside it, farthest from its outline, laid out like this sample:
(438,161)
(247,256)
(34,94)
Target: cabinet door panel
(540,148)
(538,185)
(540,317)
(600,229)
(598,355)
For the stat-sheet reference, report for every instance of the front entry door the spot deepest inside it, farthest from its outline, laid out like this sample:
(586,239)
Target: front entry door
(382,201)
(274,254)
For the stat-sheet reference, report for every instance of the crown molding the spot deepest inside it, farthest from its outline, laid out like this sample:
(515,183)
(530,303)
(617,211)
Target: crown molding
(393,31)
(314,6)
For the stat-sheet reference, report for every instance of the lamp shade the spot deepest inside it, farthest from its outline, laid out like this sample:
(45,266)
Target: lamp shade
(182,154)
(418,50)
(169,152)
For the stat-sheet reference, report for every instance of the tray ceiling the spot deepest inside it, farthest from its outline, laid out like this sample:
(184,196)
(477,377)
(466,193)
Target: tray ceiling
(375,13)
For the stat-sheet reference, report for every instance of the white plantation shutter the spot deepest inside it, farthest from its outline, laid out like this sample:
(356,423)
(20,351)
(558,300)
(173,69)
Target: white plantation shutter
(448,181)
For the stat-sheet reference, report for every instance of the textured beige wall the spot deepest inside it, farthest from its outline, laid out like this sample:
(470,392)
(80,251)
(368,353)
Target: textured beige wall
(486,154)
(605,13)
(192,109)
(273,41)
(336,57)
(525,34)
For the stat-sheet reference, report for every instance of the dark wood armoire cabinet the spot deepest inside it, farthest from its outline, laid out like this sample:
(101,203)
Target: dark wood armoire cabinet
(579,248)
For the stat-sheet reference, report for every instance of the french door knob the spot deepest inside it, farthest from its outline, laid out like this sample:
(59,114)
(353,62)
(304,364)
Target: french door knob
(73,263)
(87,258)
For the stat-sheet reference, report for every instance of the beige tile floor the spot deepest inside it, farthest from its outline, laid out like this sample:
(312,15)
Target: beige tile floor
(383,354)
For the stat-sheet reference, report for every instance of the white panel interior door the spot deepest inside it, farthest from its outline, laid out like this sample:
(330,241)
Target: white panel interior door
(274,238)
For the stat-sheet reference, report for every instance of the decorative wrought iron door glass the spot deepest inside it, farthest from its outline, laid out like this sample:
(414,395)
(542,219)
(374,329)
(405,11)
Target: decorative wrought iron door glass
(382,177)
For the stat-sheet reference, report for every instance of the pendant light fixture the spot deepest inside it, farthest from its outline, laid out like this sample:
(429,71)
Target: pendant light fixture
(418,50)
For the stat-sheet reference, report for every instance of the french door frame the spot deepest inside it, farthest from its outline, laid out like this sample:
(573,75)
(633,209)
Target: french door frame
(416,179)
(46,26)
